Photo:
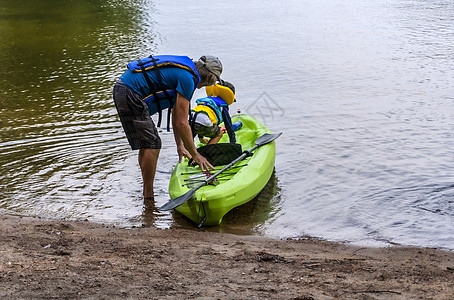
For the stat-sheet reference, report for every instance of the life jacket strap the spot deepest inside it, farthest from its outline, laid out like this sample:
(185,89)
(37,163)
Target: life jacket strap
(169,112)
(150,86)
(192,118)
(161,86)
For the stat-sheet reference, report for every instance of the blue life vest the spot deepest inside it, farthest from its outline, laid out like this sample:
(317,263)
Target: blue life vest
(217,104)
(163,97)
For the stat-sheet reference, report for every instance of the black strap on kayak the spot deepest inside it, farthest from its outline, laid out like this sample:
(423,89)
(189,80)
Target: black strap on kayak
(200,224)
(228,125)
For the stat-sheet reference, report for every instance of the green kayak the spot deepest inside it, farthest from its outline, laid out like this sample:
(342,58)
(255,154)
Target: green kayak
(235,186)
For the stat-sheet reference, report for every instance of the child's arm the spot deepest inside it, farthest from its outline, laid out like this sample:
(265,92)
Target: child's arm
(203,141)
(216,139)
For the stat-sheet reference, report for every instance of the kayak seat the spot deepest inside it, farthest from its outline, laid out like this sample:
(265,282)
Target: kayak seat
(221,153)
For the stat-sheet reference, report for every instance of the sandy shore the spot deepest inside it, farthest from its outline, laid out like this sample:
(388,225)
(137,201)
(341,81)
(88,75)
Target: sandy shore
(82,260)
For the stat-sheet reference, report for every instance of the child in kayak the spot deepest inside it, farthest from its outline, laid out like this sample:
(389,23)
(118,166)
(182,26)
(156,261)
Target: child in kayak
(211,111)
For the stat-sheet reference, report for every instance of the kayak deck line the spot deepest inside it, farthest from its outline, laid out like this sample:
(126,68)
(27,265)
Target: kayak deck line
(202,180)
(214,171)
(219,176)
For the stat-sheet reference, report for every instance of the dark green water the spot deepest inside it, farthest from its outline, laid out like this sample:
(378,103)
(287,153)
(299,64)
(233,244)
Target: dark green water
(59,132)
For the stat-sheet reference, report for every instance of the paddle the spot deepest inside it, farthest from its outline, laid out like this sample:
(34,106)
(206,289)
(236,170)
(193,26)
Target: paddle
(263,140)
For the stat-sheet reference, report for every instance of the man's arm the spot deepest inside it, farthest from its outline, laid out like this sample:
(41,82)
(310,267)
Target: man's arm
(178,141)
(183,134)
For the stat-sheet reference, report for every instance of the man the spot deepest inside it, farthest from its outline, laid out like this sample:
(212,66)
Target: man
(155,83)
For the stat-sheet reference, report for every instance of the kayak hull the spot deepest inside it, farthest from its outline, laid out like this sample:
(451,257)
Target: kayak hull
(236,186)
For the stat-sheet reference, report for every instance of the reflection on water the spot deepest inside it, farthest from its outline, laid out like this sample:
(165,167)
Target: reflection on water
(60,139)
(365,87)
(252,217)
(249,218)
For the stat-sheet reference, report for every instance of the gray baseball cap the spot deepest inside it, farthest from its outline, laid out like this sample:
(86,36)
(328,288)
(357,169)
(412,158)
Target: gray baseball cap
(213,64)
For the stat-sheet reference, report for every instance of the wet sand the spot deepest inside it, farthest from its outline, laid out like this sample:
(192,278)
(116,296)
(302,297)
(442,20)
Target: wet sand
(82,260)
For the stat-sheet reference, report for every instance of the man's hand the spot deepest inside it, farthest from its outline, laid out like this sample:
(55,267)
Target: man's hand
(203,163)
(183,135)
(182,152)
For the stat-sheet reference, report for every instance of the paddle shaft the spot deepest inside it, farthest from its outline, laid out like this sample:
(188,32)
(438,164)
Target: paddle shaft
(263,140)
(241,157)
(183,198)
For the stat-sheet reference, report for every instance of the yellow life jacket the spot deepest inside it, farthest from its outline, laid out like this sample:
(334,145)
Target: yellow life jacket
(206,109)
(218,91)
(221,91)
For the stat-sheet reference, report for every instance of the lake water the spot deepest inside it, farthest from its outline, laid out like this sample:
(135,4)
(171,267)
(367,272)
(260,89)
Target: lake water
(362,90)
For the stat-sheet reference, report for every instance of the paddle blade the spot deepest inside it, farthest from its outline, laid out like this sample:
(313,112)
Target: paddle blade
(267,138)
(178,200)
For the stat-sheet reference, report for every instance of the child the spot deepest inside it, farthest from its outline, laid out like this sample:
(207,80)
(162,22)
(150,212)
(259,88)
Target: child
(211,111)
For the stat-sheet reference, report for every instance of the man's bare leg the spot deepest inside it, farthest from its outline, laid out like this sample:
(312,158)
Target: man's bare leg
(148,159)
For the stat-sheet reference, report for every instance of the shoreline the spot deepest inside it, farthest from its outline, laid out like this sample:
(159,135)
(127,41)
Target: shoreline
(84,260)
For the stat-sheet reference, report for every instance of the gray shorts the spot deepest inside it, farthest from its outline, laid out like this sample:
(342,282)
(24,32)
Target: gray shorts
(206,131)
(139,128)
